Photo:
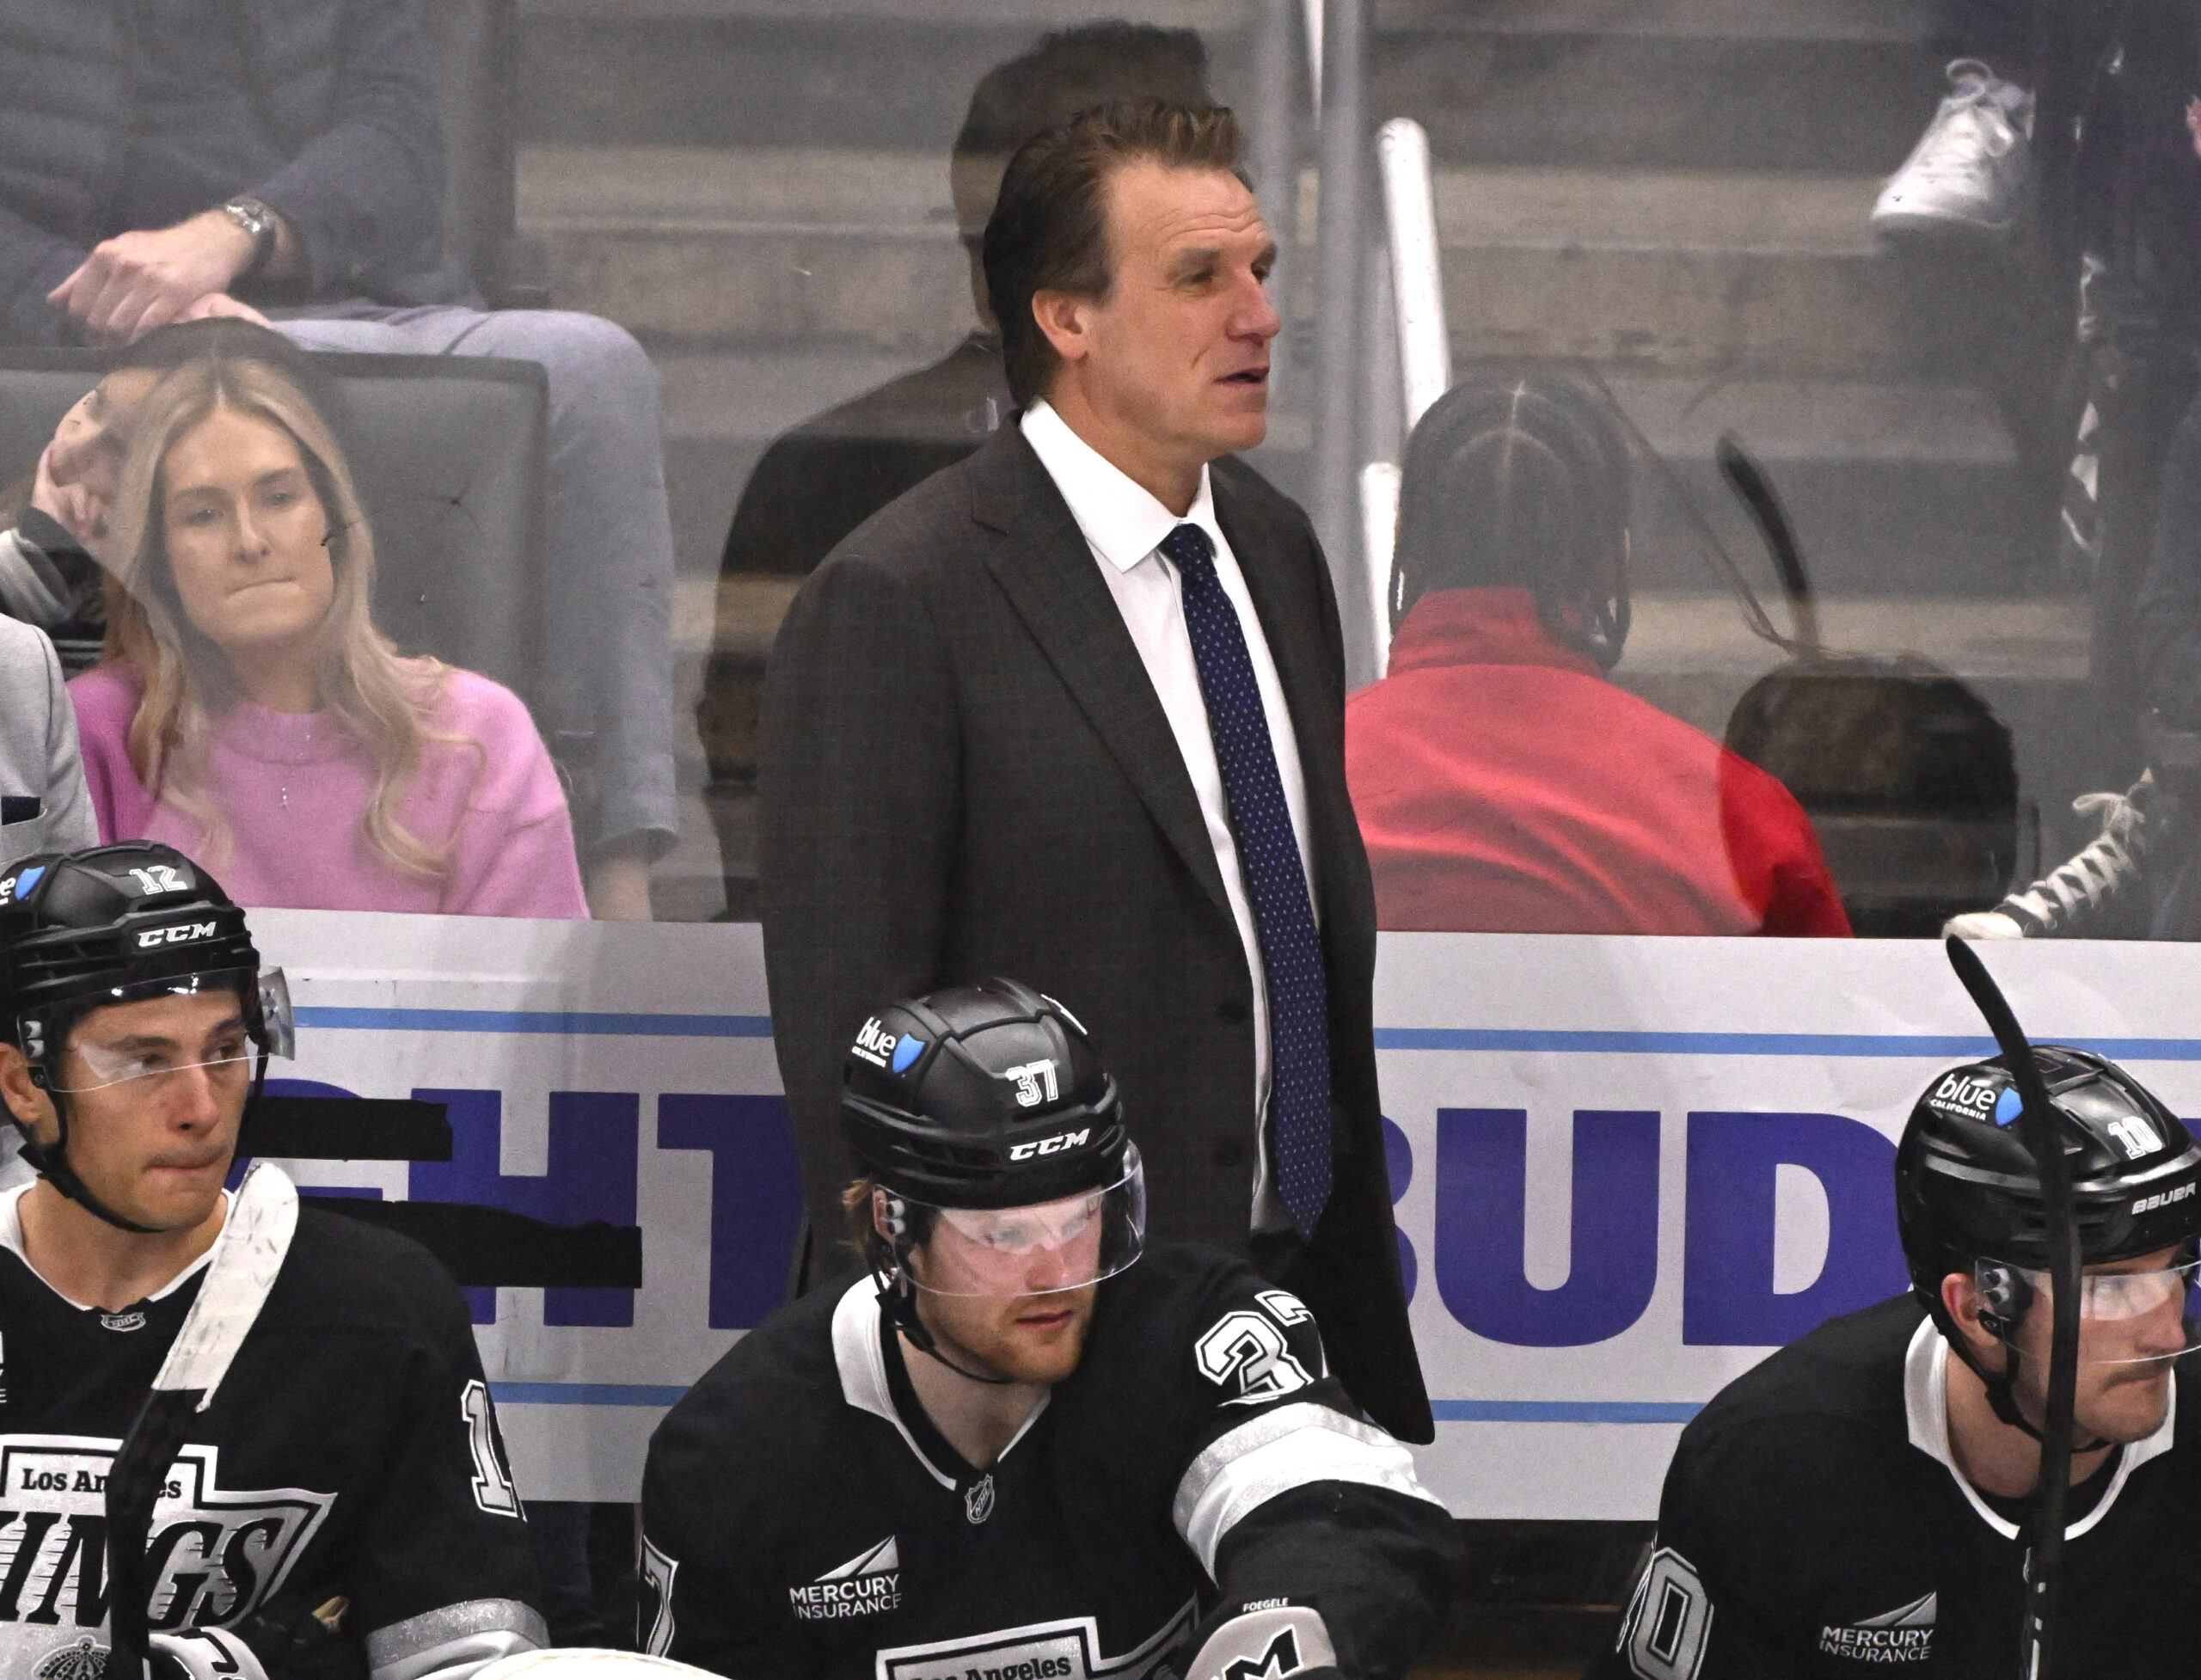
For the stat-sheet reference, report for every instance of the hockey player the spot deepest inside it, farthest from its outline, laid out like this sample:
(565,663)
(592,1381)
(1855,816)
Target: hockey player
(1854,1503)
(341,1508)
(1011,1453)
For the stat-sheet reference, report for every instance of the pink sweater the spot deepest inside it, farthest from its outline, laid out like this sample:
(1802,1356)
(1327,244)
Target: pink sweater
(294,787)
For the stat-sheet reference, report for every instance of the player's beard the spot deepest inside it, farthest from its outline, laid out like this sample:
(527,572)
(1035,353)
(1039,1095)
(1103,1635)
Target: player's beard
(987,1329)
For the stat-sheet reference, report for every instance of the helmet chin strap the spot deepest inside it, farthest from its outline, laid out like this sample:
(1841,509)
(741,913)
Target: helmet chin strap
(2001,1386)
(898,1295)
(52,1164)
(898,1299)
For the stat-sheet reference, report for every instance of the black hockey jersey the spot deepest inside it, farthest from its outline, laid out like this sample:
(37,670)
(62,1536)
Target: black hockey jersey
(1814,1523)
(351,1451)
(802,1520)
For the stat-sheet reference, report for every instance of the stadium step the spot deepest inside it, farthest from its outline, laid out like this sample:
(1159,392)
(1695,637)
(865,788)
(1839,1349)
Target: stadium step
(774,285)
(1811,85)
(1895,488)
(812,247)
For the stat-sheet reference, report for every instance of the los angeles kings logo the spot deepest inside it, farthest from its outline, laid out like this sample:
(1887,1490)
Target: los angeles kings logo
(214,1554)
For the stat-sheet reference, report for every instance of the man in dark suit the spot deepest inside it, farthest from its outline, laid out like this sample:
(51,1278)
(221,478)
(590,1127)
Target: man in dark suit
(820,481)
(1072,710)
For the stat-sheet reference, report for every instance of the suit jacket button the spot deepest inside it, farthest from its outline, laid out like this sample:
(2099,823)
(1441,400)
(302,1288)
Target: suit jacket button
(1229,1152)
(1232,1009)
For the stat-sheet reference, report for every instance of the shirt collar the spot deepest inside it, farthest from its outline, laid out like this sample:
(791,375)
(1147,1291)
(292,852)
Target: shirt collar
(859,1334)
(12,1239)
(1926,1411)
(1119,517)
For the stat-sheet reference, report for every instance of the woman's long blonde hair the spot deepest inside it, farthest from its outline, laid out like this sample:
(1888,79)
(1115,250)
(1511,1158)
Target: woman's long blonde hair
(381,697)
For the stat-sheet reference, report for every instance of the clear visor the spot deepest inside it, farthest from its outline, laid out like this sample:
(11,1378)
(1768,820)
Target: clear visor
(95,1063)
(2124,1317)
(1038,1249)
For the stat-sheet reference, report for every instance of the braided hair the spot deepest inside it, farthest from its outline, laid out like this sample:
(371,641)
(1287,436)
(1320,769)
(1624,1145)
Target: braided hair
(1524,480)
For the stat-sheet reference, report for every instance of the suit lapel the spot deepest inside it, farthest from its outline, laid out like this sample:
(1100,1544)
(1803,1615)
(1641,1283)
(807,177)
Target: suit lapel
(1046,569)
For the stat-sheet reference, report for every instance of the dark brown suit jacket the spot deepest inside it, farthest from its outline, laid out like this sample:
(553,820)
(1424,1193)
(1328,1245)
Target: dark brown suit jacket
(965,772)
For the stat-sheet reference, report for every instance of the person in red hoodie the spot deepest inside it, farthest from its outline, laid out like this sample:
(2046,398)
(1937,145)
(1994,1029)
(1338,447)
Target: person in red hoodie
(1503,783)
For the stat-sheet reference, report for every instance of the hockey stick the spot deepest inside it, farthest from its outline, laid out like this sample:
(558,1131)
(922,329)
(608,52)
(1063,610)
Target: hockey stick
(2052,1490)
(247,1255)
(1748,482)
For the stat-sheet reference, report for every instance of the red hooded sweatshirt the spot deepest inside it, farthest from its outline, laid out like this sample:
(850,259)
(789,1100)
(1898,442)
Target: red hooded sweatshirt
(1504,785)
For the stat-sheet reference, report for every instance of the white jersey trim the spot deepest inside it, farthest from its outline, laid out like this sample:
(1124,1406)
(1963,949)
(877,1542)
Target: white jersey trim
(1291,1446)
(11,1239)
(1926,1407)
(863,1374)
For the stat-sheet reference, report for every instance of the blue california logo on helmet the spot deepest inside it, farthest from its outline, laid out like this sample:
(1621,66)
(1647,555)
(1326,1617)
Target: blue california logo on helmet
(29,879)
(907,1049)
(2009,1107)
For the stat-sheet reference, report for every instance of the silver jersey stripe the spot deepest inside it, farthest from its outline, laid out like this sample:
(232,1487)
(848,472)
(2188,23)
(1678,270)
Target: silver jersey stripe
(1293,1446)
(455,1640)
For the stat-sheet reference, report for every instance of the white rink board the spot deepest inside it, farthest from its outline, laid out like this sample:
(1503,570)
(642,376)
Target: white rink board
(1562,1367)
(1849,1030)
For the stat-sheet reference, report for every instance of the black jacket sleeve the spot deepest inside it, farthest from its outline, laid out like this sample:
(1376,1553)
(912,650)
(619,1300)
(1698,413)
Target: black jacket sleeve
(1712,1604)
(31,263)
(365,195)
(1294,1500)
(442,1574)
(859,793)
(705,1595)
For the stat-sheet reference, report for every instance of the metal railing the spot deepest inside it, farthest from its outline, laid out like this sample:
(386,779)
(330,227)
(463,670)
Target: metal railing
(1381,355)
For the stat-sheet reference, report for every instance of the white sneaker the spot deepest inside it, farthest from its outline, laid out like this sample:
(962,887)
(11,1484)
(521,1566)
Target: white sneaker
(2064,901)
(1971,170)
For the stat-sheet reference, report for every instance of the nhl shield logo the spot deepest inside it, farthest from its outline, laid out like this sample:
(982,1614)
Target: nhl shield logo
(978,1499)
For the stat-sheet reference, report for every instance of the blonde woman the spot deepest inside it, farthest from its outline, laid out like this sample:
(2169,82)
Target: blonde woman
(248,711)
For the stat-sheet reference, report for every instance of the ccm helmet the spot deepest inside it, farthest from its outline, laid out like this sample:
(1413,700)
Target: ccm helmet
(1968,1195)
(117,924)
(985,1107)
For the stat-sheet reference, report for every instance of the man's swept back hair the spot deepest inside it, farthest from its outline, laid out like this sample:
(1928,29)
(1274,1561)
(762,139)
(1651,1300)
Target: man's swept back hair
(1049,231)
(1075,70)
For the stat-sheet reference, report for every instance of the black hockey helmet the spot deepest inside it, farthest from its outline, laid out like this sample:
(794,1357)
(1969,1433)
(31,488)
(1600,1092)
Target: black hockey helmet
(985,1096)
(1968,1194)
(1966,1189)
(115,924)
(983,1108)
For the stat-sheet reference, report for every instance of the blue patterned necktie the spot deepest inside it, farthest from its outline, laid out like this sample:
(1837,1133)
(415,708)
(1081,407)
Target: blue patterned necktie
(1276,881)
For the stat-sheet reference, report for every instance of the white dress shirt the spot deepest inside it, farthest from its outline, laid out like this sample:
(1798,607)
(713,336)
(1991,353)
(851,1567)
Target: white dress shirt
(1123,526)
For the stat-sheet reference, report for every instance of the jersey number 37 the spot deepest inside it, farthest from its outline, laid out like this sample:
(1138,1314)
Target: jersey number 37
(1248,1348)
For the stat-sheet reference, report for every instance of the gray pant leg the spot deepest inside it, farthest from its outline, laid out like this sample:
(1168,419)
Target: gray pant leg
(608,613)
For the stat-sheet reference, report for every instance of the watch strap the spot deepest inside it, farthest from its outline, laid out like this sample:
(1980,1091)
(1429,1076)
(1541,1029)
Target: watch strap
(258,221)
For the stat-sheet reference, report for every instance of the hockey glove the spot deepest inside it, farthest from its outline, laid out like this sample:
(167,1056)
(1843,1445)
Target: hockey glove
(1284,1640)
(202,1653)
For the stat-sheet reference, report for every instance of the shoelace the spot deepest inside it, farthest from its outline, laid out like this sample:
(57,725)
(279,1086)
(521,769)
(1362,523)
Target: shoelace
(1951,149)
(2099,871)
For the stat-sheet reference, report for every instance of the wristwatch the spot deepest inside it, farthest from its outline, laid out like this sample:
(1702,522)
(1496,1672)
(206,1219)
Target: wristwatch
(259,221)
